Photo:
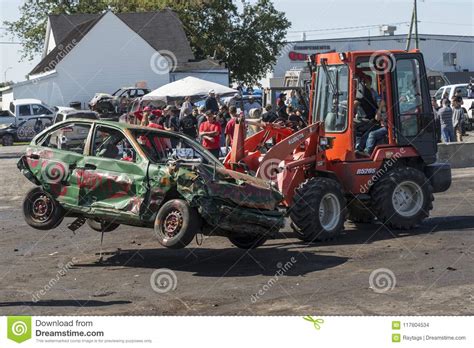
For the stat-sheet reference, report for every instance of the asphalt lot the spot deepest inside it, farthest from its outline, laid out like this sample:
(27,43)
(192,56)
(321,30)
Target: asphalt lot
(57,272)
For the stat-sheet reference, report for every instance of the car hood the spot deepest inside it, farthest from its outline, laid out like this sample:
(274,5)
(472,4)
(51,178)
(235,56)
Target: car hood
(204,180)
(4,126)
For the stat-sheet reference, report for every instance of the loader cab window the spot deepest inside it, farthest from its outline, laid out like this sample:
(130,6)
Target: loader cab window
(409,96)
(331,97)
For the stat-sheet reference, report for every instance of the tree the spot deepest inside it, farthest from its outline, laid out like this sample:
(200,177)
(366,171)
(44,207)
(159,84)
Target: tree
(246,40)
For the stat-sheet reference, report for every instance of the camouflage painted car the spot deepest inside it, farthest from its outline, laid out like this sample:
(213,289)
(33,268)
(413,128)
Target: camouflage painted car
(123,174)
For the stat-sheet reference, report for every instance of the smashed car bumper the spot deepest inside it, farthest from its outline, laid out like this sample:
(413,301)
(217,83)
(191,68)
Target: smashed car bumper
(240,219)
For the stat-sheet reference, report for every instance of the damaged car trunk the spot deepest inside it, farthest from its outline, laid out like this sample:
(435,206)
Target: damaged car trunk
(107,174)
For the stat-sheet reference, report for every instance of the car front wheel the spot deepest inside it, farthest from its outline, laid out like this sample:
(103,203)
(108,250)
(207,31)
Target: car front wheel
(176,224)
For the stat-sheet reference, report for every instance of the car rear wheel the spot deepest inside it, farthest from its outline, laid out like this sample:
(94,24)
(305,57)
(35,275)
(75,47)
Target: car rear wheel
(41,210)
(176,224)
(248,241)
(100,225)
(318,211)
(7,140)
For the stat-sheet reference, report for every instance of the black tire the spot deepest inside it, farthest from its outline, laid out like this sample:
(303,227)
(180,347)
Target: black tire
(7,140)
(41,210)
(176,224)
(100,225)
(392,201)
(248,241)
(312,196)
(359,212)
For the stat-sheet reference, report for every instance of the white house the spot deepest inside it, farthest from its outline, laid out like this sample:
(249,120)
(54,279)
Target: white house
(89,53)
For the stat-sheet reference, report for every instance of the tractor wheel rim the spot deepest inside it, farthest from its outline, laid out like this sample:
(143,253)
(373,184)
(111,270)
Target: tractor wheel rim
(407,198)
(42,208)
(172,223)
(329,211)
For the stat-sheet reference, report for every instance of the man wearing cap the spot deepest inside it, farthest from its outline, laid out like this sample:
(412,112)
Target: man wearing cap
(154,118)
(211,102)
(210,133)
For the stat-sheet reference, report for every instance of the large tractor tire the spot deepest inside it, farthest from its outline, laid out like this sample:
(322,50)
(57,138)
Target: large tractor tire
(176,224)
(402,198)
(41,210)
(248,241)
(358,212)
(318,211)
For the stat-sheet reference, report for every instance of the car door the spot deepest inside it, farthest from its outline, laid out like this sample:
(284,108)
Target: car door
(54,159)
(39,119)
(113,176)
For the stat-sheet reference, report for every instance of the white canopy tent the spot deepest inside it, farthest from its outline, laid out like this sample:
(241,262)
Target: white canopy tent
(189,86)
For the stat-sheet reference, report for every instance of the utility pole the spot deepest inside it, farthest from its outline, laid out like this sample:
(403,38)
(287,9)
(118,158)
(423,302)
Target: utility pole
(413,22)
(415,15)
(409,32)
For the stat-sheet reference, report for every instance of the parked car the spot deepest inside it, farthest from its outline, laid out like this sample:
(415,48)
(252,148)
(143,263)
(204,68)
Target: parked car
(116,102)
(25,119)
(123,174)
(467,105)
(68,113)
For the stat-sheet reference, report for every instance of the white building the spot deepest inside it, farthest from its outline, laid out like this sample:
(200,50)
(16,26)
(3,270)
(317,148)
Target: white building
(448,54)
(89,53)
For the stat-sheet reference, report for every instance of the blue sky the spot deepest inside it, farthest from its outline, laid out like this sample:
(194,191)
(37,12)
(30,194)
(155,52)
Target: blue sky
(327,19)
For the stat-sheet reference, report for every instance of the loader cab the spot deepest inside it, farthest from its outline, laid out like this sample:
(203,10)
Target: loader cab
(350,89)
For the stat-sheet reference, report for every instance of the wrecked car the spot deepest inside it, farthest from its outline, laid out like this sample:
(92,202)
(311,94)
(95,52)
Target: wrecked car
(111,173)
(116,102)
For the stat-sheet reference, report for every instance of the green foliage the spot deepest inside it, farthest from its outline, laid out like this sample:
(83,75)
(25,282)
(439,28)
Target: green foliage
(246,38)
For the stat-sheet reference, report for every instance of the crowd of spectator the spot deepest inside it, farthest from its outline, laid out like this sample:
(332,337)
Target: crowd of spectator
(213,123)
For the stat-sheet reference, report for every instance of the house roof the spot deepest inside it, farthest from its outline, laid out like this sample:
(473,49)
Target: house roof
(63,47)
(162,30)
(205,64)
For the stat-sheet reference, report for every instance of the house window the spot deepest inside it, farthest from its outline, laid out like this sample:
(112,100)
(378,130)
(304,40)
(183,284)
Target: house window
(449,59)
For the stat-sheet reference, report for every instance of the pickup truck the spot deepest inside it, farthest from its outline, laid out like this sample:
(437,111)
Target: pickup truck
(23,120)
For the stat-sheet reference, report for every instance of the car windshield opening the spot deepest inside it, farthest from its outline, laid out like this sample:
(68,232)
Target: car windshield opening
(161,148)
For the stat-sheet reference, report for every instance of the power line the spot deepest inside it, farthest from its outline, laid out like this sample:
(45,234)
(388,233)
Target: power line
(345,28)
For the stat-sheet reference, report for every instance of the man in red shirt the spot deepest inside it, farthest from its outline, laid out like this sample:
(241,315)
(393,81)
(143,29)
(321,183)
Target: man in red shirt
(210,132)
(229,128)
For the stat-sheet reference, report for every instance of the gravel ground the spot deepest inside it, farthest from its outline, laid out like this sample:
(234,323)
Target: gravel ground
(428,270)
